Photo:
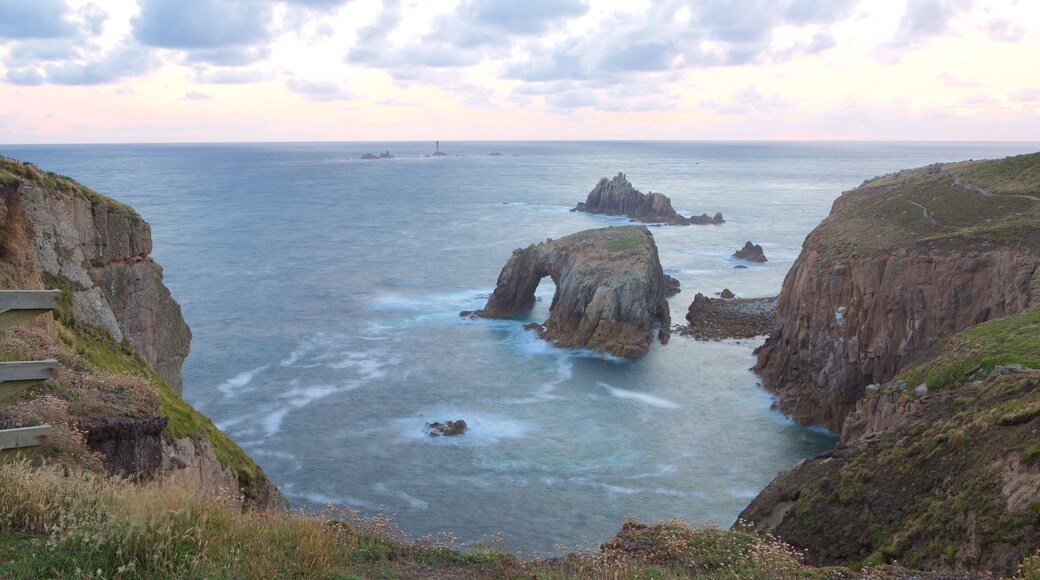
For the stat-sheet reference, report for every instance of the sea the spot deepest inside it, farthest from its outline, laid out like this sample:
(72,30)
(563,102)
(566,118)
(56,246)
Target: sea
(324,292)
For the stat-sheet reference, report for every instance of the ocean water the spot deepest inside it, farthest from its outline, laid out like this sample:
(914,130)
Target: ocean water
(323,293)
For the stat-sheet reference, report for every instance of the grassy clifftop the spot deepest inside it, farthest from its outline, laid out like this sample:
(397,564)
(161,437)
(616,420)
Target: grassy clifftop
(958,205)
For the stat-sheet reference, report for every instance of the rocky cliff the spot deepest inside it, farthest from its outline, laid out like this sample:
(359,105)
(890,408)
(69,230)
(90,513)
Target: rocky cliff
(610,290)
(118,335)
(944,475)
(57,233)
(618,197)
(901,262)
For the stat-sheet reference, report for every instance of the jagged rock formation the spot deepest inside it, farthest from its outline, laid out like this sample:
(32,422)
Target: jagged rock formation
(751,253)
(900,263)
(618,197)
(60,234)
(881,408)
(610,290)
(729,317)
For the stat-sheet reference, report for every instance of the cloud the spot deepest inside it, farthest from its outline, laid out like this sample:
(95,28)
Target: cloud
(955,81)
(25,77)
(749,100)
(1027,95)
(674,36)
(196,96)
(232,56)
(202,24)
(125,61)
(319,90)
(34,19)
(1004,30)
(922,20)
(476,30)
(231,76)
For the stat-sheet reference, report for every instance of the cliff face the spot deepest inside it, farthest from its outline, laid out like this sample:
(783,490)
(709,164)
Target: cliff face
(610,290)
(900,263)
(618,197)
(58,233)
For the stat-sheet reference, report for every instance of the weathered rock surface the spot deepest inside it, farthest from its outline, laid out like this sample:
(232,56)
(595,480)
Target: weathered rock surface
(900,263)
(57,233)
(751,253)
(722,318)
(881,408)
(618,197)
(447,428)
(610,290)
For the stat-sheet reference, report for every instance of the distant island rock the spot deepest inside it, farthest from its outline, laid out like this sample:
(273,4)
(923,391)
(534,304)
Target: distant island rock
(729,317)
(383,155)
(494,154)
(610,290)
(618,197)
(751,253)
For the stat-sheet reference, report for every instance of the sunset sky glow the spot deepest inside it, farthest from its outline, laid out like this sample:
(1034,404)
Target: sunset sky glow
(75,71)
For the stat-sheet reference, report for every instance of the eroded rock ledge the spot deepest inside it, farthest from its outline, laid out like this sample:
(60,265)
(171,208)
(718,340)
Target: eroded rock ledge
(610,290)
(618,197)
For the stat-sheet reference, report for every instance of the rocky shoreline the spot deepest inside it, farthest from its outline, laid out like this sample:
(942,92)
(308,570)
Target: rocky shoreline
(720,319)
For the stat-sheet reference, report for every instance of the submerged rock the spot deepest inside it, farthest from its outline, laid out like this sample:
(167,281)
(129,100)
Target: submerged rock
(751,253)
(618,197)
(447,428)
(610,290)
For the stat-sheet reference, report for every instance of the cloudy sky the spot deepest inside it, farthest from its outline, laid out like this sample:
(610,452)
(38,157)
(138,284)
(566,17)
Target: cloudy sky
(343,70)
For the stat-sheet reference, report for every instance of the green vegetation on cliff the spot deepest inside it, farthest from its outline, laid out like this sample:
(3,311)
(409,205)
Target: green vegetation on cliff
(956,486)
(1005,341)
(965,205)
(13,172)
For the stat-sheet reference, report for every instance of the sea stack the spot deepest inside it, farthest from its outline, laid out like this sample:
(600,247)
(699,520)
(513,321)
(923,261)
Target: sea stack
(618,197)
(611,292)
(751,253)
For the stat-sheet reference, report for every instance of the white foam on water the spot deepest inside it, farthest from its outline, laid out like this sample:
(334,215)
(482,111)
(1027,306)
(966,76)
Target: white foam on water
(412,501)
(297,399)
(452,301)
(482,429)
(660,472)
(644,398)
(238,383)
(323,499)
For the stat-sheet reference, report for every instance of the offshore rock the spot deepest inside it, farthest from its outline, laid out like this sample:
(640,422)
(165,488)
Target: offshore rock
(57,233)
(751,253)
(618,197)
(900,263)
(610,290)
(447,428)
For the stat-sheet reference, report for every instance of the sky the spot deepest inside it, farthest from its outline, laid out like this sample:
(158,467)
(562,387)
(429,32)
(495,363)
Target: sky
(82,71)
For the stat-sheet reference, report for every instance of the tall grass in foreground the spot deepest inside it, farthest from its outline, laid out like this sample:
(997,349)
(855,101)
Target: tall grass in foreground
(57,522)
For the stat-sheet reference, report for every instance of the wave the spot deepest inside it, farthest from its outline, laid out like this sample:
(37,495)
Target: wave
(644,398)
(239,382)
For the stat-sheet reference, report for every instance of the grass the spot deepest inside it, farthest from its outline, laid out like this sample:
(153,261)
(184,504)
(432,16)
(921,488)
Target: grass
(887,215)
(13,172)
(1010,340)
(62,523)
